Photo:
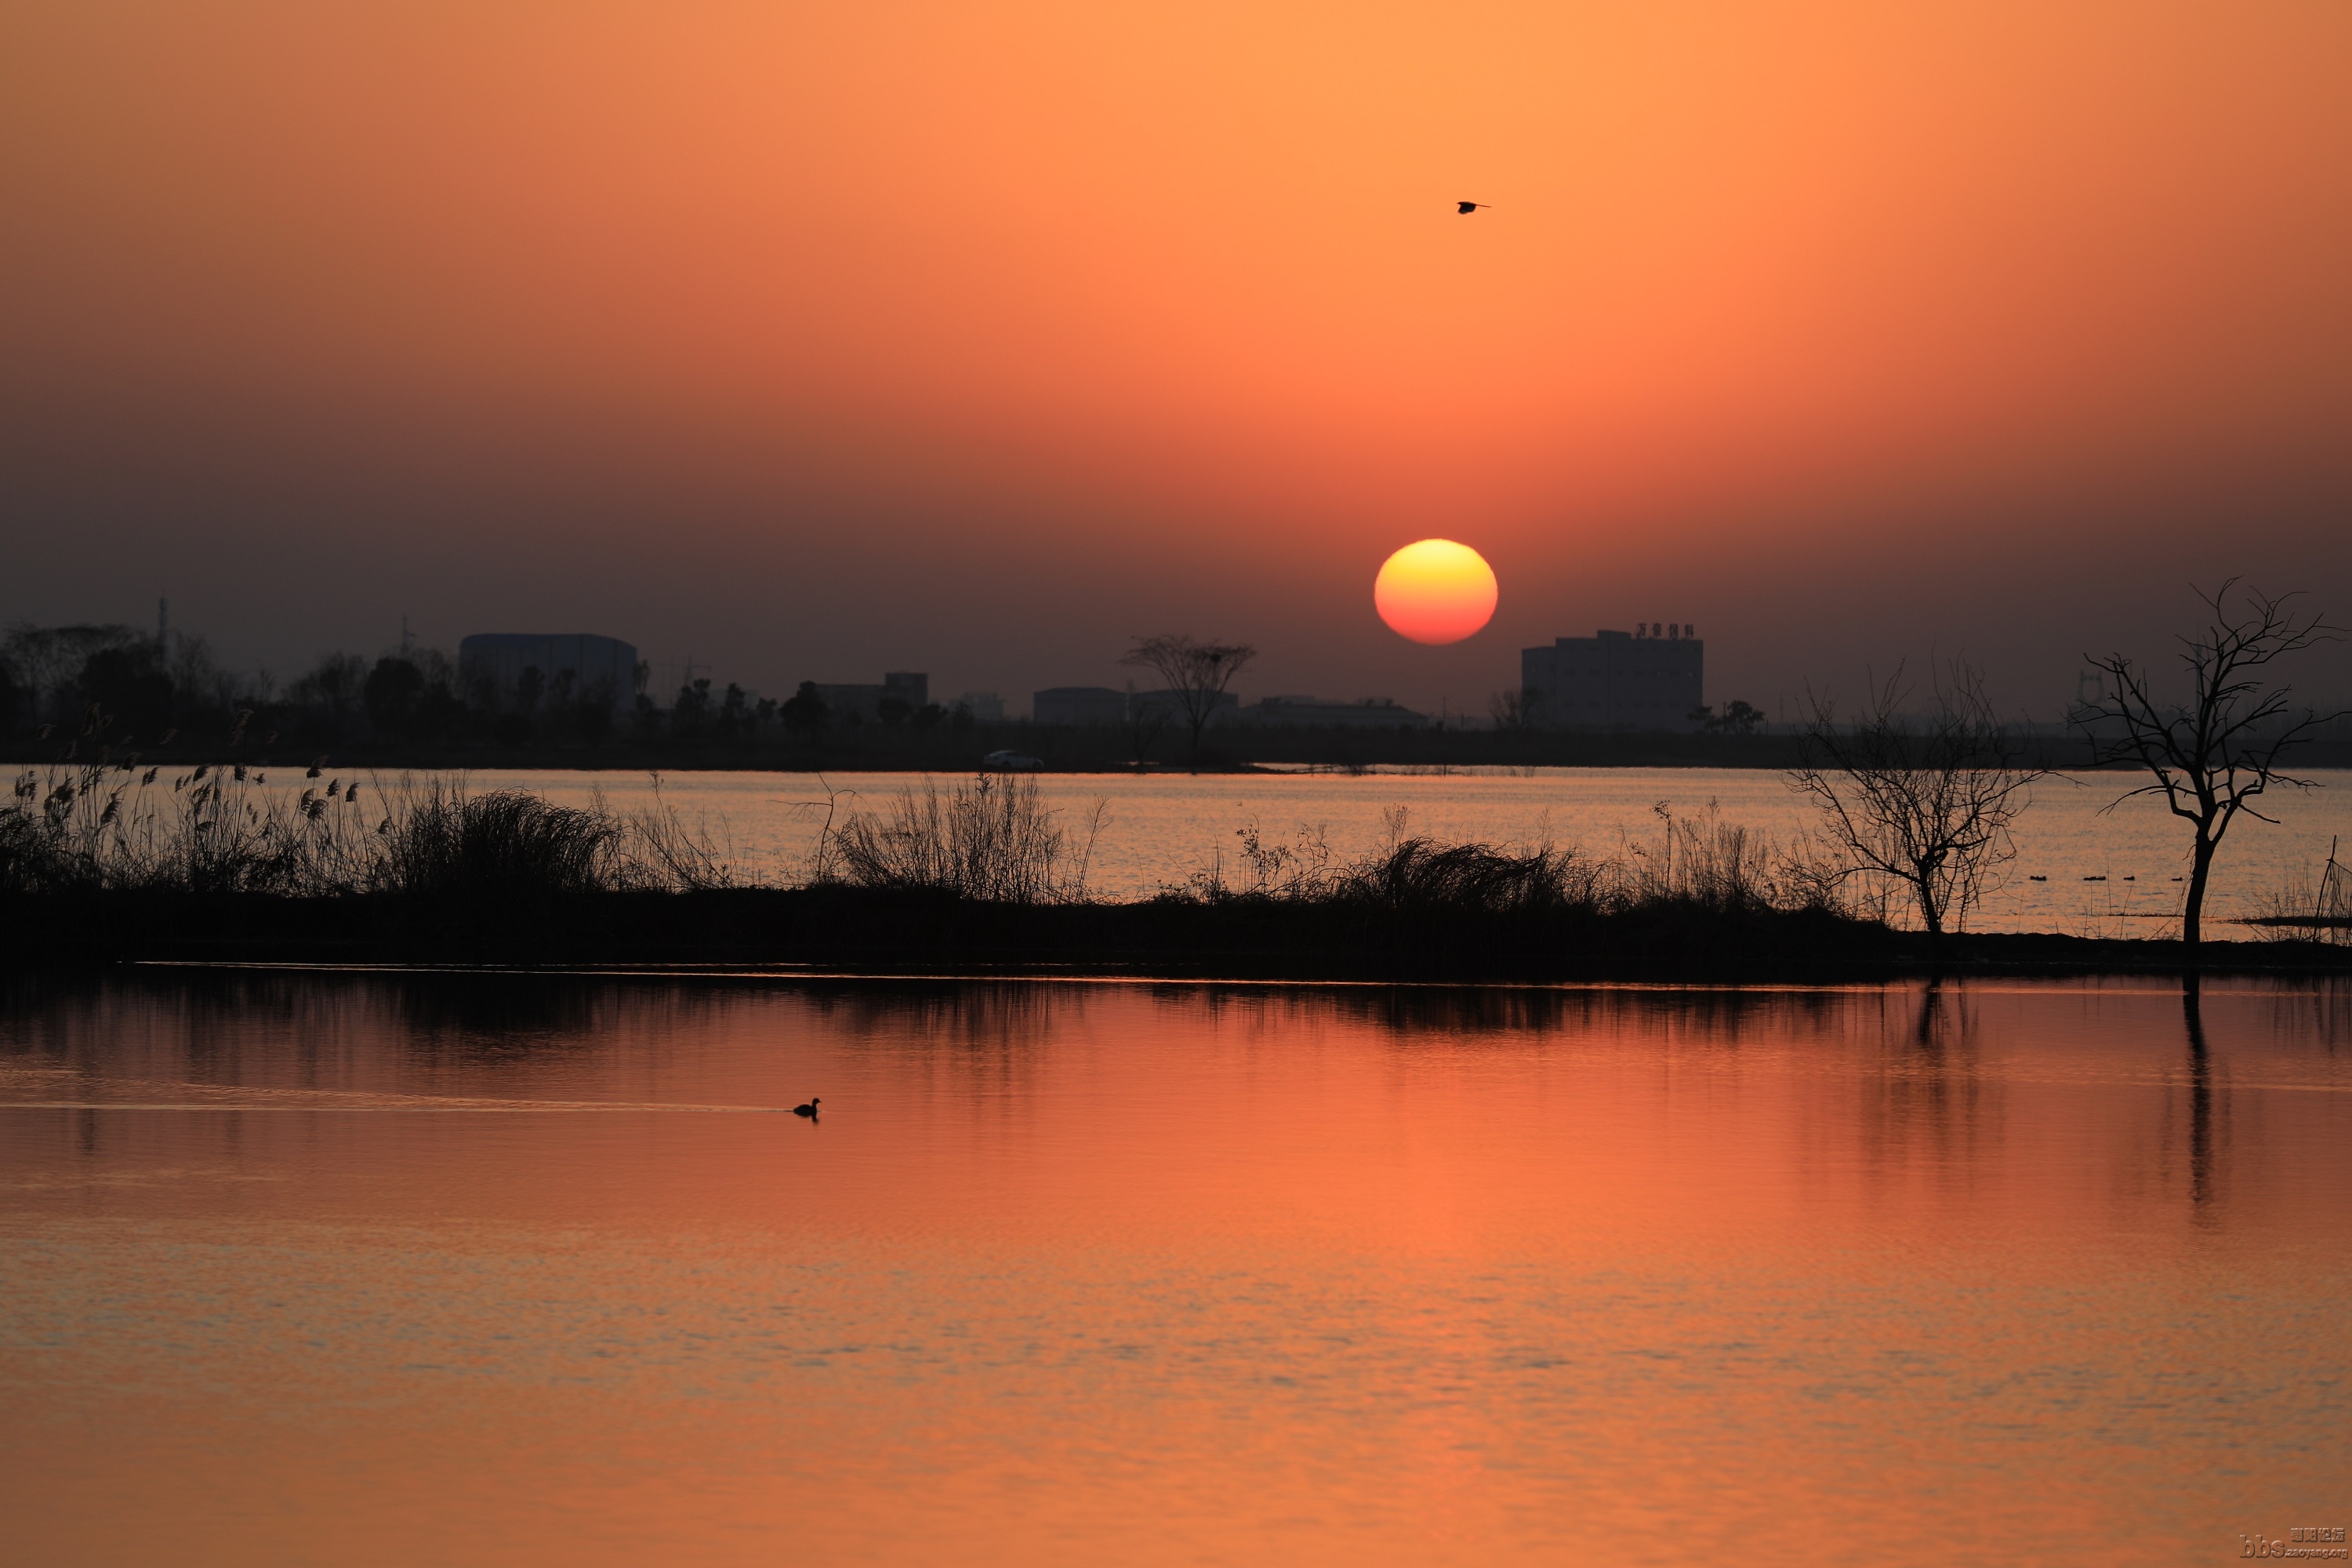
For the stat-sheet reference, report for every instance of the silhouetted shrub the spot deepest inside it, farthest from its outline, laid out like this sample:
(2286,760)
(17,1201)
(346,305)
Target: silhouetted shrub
(992,839)
(1699,863)
(501,847)
(1420,875)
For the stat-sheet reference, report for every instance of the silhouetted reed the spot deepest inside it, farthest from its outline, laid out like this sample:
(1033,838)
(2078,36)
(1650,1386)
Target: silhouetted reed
(110,826)
(2298,909)
(1702,862)
(993,840)
(1699,864)
(661,852)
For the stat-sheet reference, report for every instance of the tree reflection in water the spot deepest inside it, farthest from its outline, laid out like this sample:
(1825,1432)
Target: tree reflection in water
(2200,1093)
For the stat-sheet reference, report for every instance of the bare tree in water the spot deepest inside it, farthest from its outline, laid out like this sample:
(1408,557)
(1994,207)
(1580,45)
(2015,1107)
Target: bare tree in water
(1197,674)
(1925,802)
(2211,756)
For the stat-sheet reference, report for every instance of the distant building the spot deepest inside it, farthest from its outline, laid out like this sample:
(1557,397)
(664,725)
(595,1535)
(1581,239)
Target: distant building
(1078,705)
(862,704)
(982,707)
(570,666)
(1329,713)
(1646,679)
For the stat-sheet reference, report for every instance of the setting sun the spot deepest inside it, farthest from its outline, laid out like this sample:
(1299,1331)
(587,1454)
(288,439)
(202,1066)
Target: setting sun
(1435,591)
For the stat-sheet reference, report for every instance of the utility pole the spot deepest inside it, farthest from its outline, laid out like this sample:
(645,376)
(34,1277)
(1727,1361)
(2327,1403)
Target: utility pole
(406,641)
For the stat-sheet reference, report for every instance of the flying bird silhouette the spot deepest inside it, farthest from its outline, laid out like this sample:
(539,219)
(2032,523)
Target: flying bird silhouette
(1467,209)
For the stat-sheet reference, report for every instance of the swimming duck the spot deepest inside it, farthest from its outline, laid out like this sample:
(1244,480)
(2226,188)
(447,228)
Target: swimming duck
(809,1110)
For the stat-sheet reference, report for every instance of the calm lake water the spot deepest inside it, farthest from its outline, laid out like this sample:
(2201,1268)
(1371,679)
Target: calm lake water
(1162,829)
(360,1270)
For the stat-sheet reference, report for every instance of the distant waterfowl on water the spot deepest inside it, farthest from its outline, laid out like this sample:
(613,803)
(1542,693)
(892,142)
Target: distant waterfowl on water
(809,1110)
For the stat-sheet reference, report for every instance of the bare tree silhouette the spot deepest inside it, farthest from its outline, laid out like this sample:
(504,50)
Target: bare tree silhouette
(1514,712)
(1197,674)
(1926,803)
(2211,756)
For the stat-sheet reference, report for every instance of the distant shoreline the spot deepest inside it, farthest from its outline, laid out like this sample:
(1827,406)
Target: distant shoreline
(1736,754)
(851,930)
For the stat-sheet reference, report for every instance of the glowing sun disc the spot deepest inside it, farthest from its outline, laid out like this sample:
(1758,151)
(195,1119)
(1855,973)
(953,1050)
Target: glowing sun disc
(1435,592)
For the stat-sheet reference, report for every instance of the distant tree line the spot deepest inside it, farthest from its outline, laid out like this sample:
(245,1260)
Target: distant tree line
(806,716)
(127,688)
(61,680)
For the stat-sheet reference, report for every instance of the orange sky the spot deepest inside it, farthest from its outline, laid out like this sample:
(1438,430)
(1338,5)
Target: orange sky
(982,338)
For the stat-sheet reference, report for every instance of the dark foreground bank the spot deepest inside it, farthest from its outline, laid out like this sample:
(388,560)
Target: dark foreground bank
(109,867)
(914,931)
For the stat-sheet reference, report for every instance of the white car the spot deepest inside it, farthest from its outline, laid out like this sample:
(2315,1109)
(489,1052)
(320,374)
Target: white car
(1011,762)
